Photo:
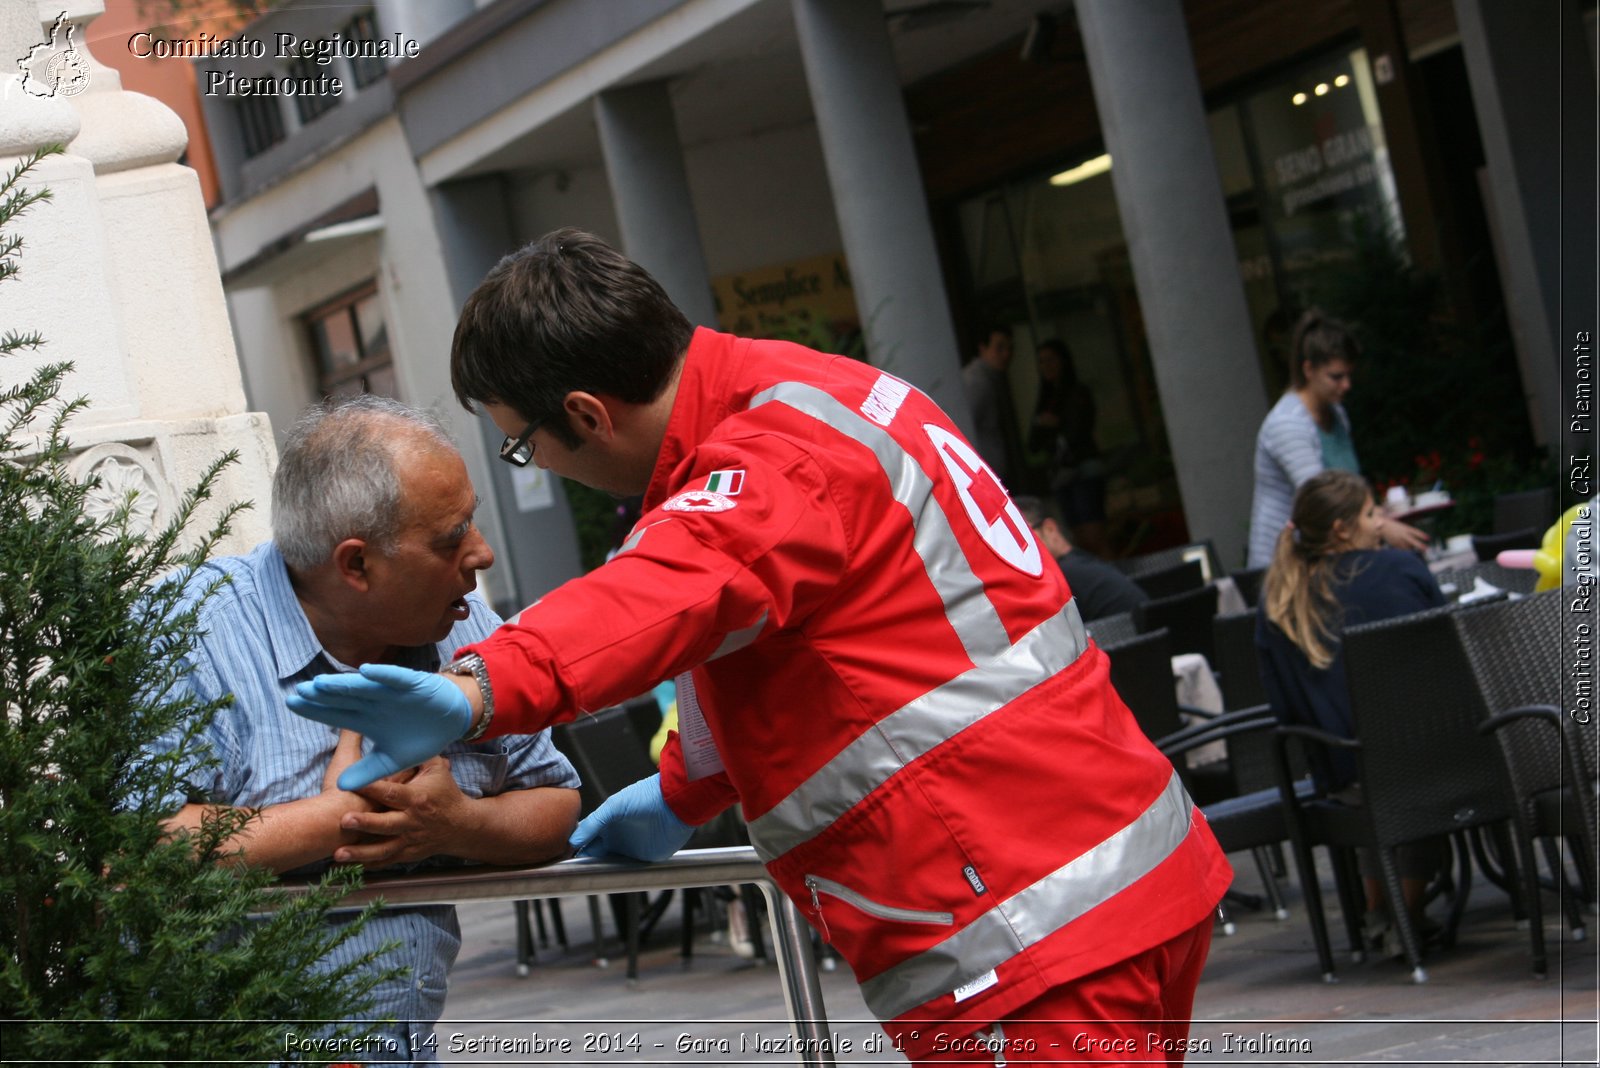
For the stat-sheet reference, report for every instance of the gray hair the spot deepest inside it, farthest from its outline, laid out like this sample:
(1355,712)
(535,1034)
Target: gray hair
(337,476)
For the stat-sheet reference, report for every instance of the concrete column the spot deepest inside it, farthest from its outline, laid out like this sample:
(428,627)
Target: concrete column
(1533,89)
(419,20)
(1185,266)
(120,254)
(650,188)
(539,542)
(878,195)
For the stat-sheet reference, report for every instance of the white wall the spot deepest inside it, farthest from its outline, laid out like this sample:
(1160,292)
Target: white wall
(548,200)
(760,200)
(763,199)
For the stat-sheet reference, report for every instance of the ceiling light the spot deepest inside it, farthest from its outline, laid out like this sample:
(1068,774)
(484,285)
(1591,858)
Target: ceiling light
(1321,89)
(1299,98)
(1087,169)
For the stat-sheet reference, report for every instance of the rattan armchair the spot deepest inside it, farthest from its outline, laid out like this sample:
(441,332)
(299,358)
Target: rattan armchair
(1424,769)
(1141,673)
(1187,615)
(1113,629)
(1516,650)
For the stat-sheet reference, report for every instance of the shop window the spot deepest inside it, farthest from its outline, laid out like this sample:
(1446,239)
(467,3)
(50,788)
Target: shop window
(366,69)
(260,123)
(1304,170)
(1322,167)
(350,343)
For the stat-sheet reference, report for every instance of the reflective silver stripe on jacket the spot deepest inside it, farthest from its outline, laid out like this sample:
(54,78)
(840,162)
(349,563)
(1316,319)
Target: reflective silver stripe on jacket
(966,604)
(916,728)
(1038,911)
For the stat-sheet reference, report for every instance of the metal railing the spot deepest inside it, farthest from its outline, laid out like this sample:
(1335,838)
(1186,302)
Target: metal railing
(797,966)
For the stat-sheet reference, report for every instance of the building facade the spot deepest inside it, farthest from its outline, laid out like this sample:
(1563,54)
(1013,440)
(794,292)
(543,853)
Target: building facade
(1160,184)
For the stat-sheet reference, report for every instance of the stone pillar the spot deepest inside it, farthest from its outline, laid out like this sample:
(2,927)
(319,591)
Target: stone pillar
(1533,89)
(539,549)
(1185,266)
(650,188)
(419,20)
(121,278)
(878,195)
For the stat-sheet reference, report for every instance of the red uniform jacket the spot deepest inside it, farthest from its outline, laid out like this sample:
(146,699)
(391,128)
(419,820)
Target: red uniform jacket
(927,747)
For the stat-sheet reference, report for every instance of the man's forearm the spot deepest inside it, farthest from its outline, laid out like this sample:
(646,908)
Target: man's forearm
(518,827)
(285,836)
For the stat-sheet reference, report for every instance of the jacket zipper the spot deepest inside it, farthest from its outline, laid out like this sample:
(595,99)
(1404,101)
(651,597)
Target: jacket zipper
(818,885)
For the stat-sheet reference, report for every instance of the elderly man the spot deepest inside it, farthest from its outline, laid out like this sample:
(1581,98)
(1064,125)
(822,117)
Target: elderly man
(373,560)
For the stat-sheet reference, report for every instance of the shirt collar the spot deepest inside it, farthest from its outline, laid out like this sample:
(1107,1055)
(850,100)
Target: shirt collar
(295,647)
(705,398)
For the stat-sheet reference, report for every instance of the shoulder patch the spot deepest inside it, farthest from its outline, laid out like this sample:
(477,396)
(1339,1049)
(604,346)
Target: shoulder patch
(727,483)
(699,501)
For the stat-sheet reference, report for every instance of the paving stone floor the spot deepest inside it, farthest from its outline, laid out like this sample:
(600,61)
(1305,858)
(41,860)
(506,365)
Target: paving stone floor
(1480,1006)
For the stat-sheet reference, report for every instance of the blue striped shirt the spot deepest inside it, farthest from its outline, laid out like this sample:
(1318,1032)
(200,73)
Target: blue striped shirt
(257,645)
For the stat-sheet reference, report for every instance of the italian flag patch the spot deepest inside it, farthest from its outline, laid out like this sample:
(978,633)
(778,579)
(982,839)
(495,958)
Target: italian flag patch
(727,483)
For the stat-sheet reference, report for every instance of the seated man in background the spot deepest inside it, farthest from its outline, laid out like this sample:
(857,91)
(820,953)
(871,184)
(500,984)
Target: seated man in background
(374,559)
(1099,588)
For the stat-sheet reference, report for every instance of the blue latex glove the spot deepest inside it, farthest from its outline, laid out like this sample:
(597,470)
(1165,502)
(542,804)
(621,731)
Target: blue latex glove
(408,715)
(634,822)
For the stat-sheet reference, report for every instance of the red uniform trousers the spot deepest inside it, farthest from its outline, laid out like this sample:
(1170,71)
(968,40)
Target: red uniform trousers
(1137,1011)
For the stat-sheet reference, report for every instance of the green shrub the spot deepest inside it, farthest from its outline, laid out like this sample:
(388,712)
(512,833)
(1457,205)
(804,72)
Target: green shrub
(117,941)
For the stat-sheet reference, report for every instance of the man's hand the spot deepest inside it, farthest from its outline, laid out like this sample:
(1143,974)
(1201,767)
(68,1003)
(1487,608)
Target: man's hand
(417,816)
(409,715)
(635,822)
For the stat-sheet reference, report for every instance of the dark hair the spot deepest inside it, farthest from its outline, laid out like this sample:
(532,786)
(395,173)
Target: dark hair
(987,331)
(567,312)
(1319,339)
(1069,370)
(1034,510)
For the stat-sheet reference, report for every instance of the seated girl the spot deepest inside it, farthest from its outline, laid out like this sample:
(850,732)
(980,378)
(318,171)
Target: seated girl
(1330,571)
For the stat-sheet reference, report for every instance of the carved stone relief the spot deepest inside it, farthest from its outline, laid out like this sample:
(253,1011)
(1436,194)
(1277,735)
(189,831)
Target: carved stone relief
(123,470)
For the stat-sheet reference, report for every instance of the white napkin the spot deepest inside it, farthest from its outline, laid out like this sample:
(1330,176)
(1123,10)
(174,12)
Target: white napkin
(1480,591)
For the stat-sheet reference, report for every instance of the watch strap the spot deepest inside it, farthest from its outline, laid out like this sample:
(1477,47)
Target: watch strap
(472,664)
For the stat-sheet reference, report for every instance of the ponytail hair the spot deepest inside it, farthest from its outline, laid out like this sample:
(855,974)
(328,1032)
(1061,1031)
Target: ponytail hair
(1298,588)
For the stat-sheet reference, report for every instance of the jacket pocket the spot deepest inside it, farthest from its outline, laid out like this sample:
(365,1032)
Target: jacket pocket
(892,913)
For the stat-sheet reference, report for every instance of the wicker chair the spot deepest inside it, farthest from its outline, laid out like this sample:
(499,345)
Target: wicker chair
(1141,673)
(1161,559)
(1254,817)
(1412,692)
(1237,661)
(1112,630)
(1187,615)
(1248,583)
(1529,508)
(1516,649)
(1179,578)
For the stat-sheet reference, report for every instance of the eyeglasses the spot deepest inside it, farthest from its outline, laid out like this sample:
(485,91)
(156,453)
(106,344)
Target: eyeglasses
(517,451)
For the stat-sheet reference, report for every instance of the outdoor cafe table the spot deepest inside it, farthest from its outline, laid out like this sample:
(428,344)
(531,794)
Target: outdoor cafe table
(797,966)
